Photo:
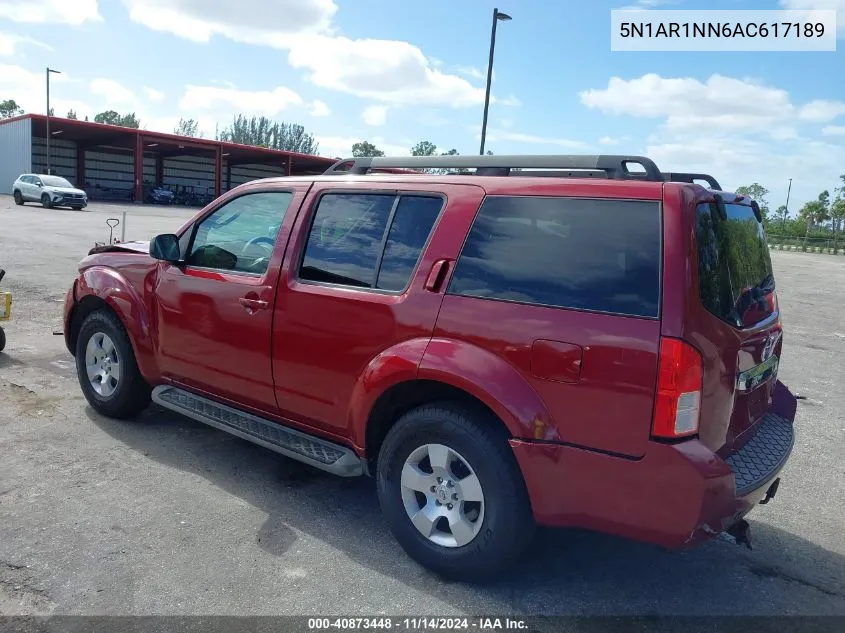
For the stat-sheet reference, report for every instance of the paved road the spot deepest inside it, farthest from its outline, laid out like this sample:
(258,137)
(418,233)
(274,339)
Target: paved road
(166,516)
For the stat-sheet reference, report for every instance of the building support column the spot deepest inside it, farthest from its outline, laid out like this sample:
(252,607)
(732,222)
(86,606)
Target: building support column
(218,171)
(288,166)
(139,168)
(228,176)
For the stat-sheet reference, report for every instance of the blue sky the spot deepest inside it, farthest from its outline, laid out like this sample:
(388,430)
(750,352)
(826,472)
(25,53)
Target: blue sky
(394,73)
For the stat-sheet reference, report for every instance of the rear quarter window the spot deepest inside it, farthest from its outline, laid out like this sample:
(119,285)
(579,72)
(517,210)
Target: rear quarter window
(582,254)
(735,278)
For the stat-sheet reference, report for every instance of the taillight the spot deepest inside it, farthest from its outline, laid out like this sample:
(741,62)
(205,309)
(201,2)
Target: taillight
(678,398)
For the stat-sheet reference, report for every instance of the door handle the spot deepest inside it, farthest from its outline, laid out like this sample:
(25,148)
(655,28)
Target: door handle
(251,303)
(437,275)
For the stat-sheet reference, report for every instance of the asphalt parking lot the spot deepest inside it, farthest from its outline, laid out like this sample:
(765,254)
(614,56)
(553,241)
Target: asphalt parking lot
(166,516)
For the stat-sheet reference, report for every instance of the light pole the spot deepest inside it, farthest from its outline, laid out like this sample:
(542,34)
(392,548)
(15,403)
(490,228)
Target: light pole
(497,16)
(49,70)
(787,206)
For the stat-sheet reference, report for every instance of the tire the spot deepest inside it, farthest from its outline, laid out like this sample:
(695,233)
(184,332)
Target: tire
(122,392)
(77,208)
(18,198)
(503,524)
(2,339)
(46,202)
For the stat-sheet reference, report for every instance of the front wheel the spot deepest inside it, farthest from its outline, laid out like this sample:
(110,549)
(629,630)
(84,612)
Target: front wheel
(18,198)
(46,202)
(107,370)
(452,492)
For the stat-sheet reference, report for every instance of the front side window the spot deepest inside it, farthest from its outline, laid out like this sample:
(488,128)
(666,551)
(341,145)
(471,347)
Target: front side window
(583,254)
(240,236)
(368,240)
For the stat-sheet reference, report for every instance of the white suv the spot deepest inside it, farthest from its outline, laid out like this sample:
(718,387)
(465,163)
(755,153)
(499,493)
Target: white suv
(50,191)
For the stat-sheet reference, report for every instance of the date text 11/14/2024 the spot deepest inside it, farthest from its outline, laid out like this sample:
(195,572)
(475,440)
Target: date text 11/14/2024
(421,623)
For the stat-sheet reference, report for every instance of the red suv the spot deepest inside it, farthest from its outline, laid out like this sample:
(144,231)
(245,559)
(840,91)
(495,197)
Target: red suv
(553,340)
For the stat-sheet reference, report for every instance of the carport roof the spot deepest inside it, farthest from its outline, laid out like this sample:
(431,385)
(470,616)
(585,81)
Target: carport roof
(97,134)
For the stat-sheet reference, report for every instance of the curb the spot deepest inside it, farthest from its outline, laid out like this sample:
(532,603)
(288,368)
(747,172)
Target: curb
(809,249)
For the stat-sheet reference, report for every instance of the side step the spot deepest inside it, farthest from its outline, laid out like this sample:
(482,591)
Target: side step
(297,445)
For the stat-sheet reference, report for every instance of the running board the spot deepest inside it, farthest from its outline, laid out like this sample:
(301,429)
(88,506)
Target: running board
(297,445)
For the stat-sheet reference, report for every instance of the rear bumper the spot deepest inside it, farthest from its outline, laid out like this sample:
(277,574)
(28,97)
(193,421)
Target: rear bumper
(676,495)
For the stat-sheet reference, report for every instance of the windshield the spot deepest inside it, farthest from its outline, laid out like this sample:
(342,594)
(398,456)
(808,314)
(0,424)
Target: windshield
(55,181)
(734,267)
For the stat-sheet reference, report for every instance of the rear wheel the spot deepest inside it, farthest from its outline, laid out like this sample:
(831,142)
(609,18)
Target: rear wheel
(2,339)
(46,202)
(452,492)
(107,370)
(18,198)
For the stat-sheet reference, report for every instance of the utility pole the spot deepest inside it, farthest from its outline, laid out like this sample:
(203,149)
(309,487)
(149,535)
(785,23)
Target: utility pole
(49,70)
(787,207)
(497,16)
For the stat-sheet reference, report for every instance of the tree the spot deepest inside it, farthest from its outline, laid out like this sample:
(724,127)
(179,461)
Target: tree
(814,213)
(9,108)
(424,148)
(71,114)
(188,127)
(837,214)
(757,192)
(52,112)
(782,213)
(110,117)
(263,132)
(365,148)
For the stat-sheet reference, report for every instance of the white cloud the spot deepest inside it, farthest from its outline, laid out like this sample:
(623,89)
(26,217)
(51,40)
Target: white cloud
(474,73)
(740,131)
(249,102)
(113,93)
(28,89)
(494,136)
(153,94)
(822,111)
(816,5)
(687,103)
(375,115)
(834,130)
(390,71)
(610,140)
(254,21)
(10,41)
(318,108)
(341,146)
(50,11)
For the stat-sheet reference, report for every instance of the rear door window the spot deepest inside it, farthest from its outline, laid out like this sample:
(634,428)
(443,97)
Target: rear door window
(735,276)
(368,240)
(582,254)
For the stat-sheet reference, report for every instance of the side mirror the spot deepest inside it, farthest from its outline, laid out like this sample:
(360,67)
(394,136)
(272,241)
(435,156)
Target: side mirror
(39,184)
(165,247)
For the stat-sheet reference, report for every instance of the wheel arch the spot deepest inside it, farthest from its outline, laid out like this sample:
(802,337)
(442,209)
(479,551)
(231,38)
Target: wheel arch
(405,396)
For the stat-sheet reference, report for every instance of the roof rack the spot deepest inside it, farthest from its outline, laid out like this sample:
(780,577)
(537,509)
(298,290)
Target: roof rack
(676,176)
(611,166)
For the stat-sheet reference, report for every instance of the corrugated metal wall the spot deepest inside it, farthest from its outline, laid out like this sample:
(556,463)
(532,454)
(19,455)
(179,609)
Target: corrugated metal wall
(15,152)
(189,171)
(109,169)
(245,173)
(62,157)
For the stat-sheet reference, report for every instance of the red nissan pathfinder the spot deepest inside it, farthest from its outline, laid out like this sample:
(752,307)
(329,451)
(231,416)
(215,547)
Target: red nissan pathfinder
(500,341)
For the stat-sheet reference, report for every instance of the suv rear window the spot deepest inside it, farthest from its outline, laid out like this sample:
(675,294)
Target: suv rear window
(735,276)
(583,254)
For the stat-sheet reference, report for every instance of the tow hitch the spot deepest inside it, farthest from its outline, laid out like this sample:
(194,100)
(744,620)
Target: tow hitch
(741,532)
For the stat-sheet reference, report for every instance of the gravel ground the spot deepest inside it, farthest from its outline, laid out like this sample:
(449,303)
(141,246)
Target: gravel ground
(166,516)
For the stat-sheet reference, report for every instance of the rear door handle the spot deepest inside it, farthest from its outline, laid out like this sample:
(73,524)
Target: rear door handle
(251,303)
(437,275)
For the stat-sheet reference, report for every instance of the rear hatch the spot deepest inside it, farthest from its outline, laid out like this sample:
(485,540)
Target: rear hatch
(736,325)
